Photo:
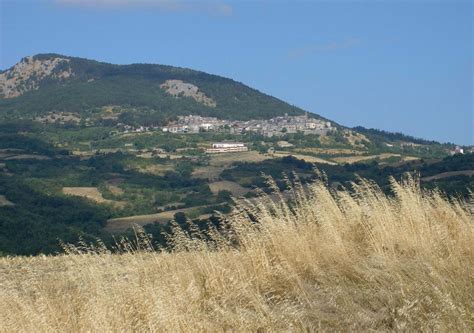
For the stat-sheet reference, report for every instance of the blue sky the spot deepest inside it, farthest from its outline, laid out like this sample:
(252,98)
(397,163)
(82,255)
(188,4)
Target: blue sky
(395,65)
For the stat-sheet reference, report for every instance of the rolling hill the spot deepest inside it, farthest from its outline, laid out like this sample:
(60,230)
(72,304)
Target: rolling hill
(69,163)
(47,85)
(55,83)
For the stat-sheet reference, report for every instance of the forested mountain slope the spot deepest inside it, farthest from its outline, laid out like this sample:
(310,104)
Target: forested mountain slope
(50,82)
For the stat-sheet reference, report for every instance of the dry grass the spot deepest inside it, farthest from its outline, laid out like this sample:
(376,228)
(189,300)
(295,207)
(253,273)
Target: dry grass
(409,158)
(226,159)
(91,193)
(209,172)
(343,261)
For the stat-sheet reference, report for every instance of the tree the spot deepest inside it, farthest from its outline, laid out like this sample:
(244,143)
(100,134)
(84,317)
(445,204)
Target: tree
(184,168)
(180,217)
(224,195)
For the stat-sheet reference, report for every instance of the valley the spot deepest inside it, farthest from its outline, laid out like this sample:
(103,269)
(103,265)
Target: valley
(89,150)
(236,166)
(117,181)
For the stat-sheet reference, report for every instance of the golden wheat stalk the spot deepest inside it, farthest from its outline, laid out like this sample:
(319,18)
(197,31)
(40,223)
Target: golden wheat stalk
(318,259)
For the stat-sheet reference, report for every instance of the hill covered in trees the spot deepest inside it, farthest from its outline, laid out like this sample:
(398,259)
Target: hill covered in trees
(74,153)
(55,83)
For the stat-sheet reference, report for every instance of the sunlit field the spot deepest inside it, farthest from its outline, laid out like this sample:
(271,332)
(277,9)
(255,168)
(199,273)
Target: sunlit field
(327,260)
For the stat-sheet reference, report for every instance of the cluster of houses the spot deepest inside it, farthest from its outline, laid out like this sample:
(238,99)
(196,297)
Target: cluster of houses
(277,126)
(195,124)
(459,150)
(132,129)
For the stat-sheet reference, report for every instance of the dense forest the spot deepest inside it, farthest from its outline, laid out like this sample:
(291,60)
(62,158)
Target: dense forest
(380,135)
(40,221)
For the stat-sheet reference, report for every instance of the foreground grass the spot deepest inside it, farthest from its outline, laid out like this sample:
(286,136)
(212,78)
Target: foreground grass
(332,261)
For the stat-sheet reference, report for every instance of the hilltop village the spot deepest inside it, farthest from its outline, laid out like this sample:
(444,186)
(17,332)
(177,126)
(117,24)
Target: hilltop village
(277,126)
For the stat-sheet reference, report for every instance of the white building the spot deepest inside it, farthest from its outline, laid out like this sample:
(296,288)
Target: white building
(457,150)
(227,147)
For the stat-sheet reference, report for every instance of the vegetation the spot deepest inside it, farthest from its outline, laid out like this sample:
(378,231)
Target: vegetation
(37,221)
(95,85)
(37,165)
(390,136)
(341,175)
(338,261)
(71,159)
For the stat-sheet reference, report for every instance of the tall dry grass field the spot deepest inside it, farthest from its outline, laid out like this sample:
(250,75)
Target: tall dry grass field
(330,261)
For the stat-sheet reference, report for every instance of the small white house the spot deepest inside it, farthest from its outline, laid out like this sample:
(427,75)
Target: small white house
(457,150)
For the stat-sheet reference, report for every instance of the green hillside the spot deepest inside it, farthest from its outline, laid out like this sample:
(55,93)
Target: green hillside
(83,153)
(95,84)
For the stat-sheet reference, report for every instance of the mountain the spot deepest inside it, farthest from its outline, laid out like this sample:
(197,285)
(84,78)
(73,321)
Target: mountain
(48,83)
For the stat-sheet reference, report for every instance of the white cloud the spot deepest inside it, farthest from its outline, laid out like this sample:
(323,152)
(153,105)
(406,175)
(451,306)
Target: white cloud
(315,48)
(212,7)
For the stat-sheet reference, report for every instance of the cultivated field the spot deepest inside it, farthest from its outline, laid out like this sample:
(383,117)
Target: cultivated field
(121,224)
(330,151)
(230,186)
(156,169)
(113,186)
(357,261)
(220,162)
(26,157)
(307,158)
(91,193)
(226,159)
(355,159)
(449,174)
